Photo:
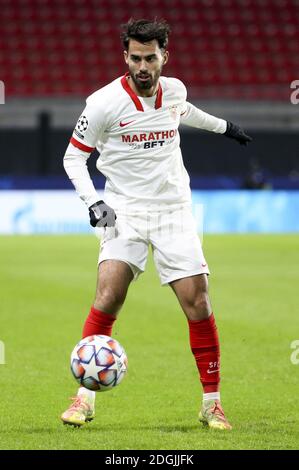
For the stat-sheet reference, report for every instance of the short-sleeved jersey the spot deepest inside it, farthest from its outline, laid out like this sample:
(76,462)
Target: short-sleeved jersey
(138,142)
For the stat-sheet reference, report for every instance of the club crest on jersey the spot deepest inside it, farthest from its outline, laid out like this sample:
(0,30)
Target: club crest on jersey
(173,110)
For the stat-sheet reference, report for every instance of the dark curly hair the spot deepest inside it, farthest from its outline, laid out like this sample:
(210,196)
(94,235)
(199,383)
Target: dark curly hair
(145,31)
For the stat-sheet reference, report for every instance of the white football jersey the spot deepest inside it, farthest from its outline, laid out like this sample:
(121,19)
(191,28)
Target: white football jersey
(139,143)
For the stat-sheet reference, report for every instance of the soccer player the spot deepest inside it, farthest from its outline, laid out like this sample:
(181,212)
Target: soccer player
(133,122)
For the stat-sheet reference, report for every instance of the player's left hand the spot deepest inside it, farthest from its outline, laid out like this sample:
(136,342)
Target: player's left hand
(235,132)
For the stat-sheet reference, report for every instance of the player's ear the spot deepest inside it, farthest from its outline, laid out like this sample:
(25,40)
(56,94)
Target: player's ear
(165,57)
(126,57)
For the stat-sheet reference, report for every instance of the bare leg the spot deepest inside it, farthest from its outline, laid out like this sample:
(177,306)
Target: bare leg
(114,278)
(192,293)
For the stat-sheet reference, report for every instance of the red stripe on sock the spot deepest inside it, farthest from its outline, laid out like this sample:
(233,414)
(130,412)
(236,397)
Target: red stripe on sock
(204,344)
(98,323)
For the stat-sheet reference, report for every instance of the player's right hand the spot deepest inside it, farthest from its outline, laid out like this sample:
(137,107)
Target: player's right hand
(101,215)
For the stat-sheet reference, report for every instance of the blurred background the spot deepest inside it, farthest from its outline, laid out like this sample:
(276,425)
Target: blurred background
(238,60)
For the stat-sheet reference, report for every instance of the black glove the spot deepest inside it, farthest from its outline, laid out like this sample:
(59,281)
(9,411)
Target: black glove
(235,132)
(101,215)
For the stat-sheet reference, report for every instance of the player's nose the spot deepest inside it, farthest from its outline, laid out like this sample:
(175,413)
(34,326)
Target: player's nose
(143,66)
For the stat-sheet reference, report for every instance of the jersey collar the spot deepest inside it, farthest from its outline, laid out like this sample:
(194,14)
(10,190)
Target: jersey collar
(135,98)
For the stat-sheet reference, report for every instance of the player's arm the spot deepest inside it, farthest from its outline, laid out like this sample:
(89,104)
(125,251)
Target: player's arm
(195,117)
(82,143)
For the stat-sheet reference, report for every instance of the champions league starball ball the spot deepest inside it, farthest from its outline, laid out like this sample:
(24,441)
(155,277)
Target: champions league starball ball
(99,363)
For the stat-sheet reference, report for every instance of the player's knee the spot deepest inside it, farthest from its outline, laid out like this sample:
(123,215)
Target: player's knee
(199,307)
(109,300)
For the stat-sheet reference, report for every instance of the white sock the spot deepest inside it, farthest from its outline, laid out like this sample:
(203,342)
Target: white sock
(90,394)
(211,396)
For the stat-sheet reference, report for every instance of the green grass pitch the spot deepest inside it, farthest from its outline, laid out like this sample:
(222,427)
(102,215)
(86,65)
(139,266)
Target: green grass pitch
(47,286)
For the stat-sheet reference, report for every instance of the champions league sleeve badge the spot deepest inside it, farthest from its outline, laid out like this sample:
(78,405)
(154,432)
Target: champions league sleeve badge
(81,126)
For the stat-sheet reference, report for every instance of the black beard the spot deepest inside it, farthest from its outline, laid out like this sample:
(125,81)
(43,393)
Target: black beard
(151,82)
(143,85)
